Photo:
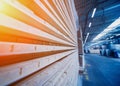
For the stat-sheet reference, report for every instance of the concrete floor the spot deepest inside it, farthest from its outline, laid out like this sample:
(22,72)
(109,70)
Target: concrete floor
(101,71)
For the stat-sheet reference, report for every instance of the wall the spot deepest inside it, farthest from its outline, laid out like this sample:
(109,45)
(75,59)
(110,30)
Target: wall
(38,43)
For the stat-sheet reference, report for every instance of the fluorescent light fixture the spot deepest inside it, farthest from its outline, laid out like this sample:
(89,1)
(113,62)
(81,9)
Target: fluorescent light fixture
(117,34)
(90,24)
(86,38)
(93,12)
(112,7)
(111,36)
(111,27)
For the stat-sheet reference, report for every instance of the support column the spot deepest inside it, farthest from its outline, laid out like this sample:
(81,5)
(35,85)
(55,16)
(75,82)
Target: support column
(80,49)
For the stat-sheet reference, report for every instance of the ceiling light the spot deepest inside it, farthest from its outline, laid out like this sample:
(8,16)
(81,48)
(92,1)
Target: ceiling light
(111,36)
(117,34)
(111,27)
(86,38)
(90,24)
(93,12)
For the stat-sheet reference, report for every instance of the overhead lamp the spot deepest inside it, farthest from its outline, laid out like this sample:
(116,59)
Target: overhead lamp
(117,34)
(111,27)
(90,24)
(93,12)
(86,38)
(111,37)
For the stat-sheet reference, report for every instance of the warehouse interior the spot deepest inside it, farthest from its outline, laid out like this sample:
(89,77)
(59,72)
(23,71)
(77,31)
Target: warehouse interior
(59,42)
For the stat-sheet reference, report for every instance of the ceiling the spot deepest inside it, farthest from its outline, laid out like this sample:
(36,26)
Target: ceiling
(107,11)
